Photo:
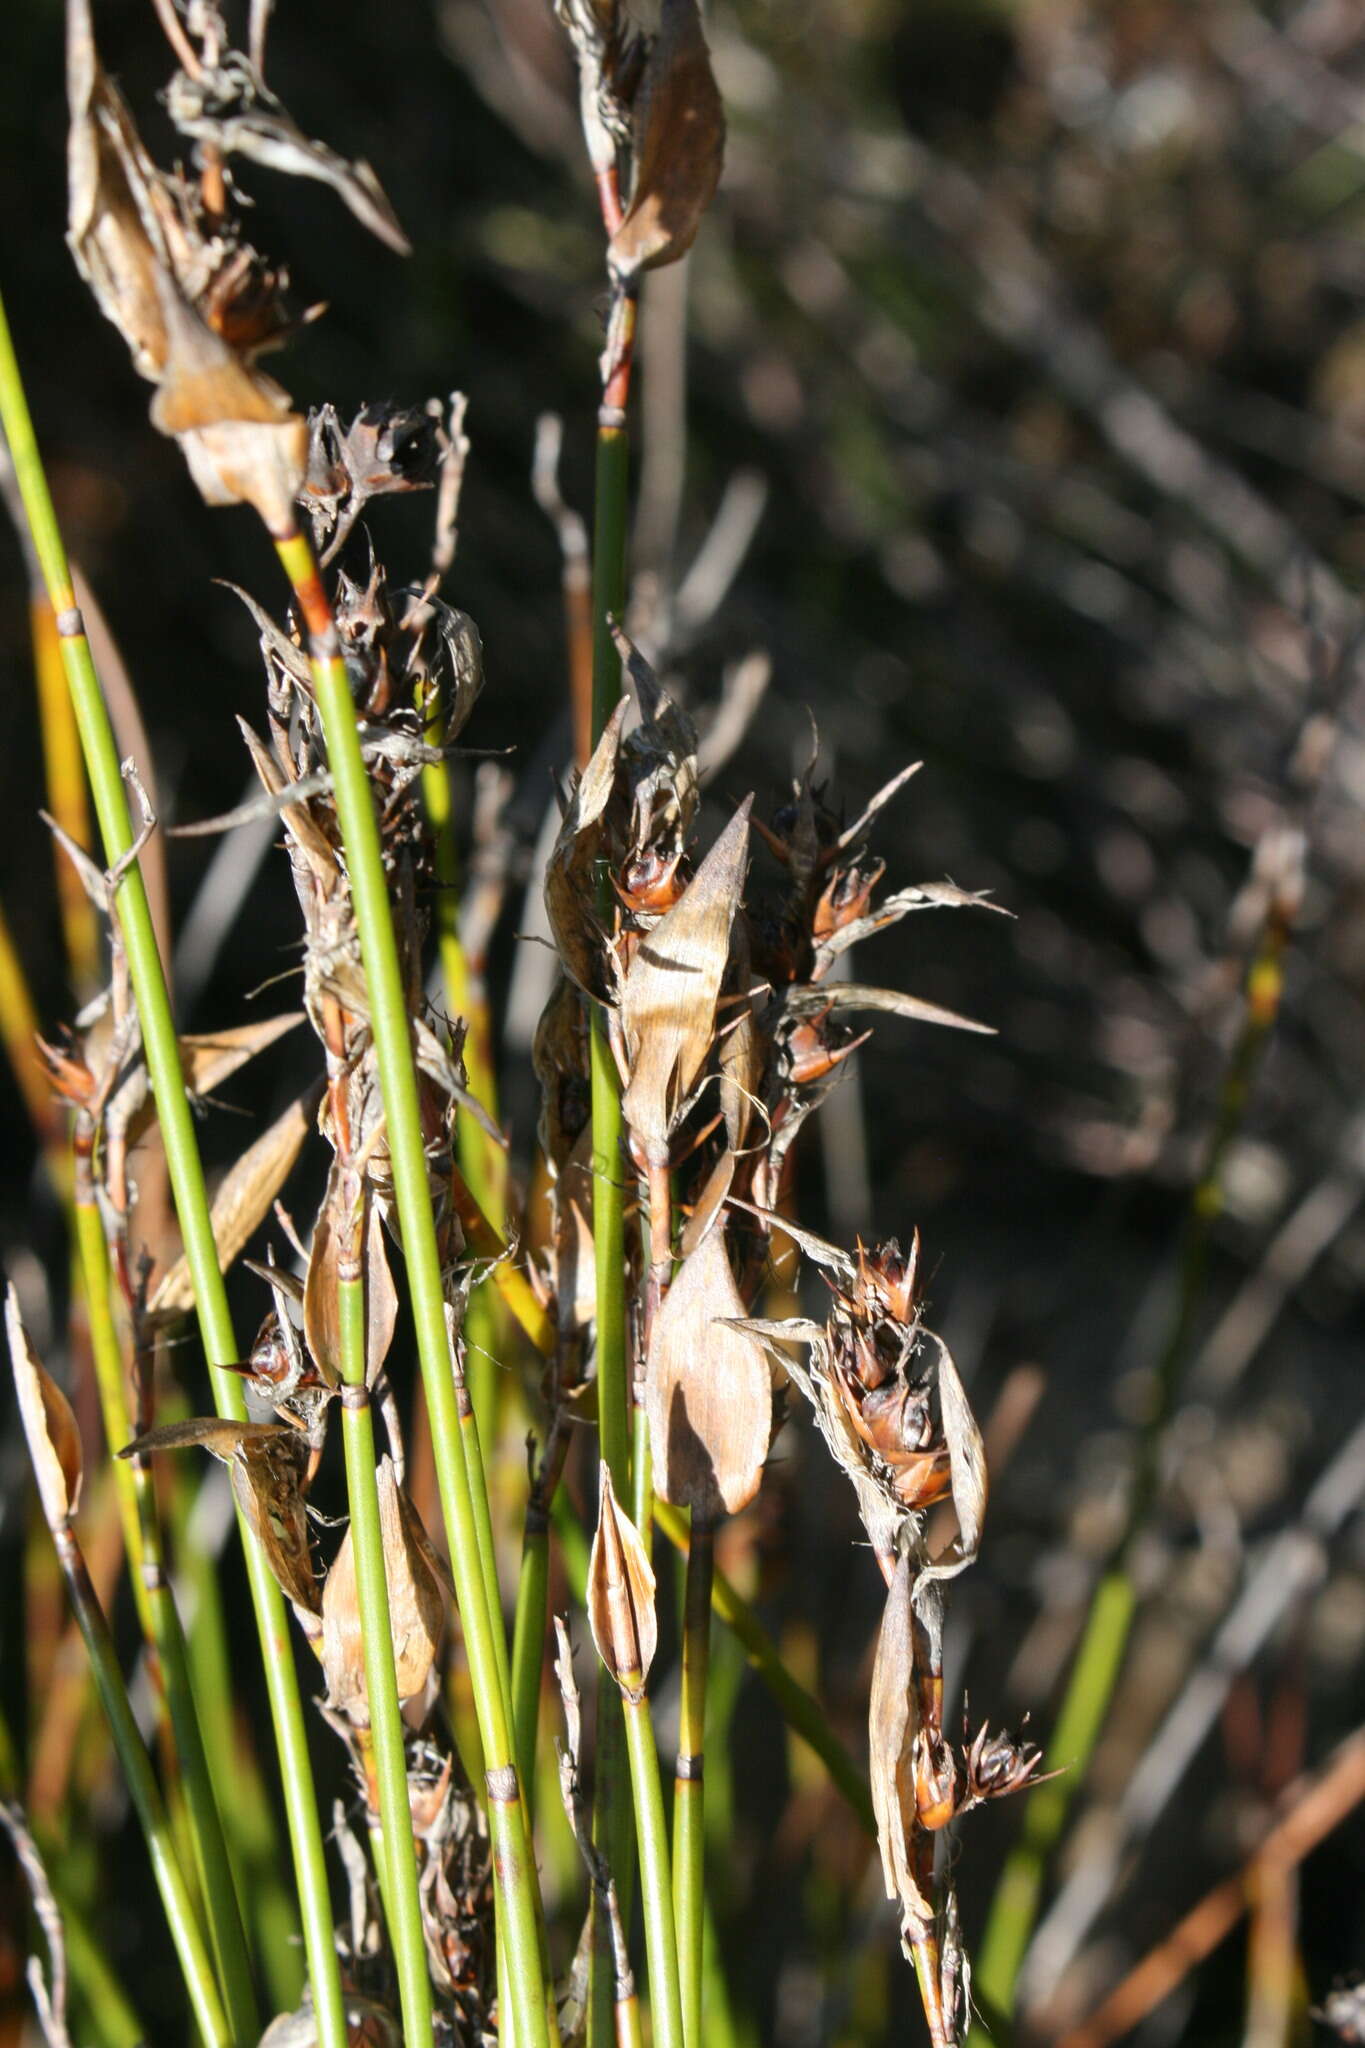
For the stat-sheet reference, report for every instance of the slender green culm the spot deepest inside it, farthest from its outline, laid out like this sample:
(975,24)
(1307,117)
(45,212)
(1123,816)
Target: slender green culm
(611,1815)
(186,1933)
(401,1900)
(528,1642)
(802,1712)
(480,1161)
(656,1888)
(249,1816)
(187,1180)
(513,1859)
(161,1621)
(689,1810)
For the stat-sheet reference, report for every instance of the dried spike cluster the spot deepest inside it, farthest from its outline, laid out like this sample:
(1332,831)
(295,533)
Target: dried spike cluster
(728,1032)
(891,1406)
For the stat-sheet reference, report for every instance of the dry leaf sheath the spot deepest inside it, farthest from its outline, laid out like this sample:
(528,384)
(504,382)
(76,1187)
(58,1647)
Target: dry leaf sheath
(621,1612)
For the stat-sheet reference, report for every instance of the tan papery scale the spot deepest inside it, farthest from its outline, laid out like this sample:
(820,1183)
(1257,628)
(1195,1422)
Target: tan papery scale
(243,1199)
(708,1390)
(417,1606)
(621,1613)
(678,146)
(327,1253)
(670,992)
(54,1441)
(152,270)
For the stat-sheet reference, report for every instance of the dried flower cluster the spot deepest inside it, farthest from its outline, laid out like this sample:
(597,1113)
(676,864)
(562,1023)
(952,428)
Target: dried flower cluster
(728,1033)
(724,1016)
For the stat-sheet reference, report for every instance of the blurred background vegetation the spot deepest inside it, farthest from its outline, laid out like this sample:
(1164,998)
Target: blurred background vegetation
(1025,435)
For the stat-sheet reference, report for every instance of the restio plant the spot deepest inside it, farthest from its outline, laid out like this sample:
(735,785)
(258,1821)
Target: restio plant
(699,1015)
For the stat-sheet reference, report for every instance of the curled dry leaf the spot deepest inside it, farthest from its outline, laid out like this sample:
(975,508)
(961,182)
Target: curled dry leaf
(267,1463)
(417,1606)
(113,185)
(177,296)
(678,146)
(891,1740)
(243,1200)
(321,1301)
(923,896)
(594,29)
(708,1389)
(621,1611)
(967,1460)
(669,997)
(231,107)
(54,1442)
(856,995)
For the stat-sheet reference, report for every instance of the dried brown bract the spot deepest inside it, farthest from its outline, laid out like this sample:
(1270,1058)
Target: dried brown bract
(268,1465)
(651,111)
(243,1199)
(621,1613)
(229,106)
(54,1441)
(417,1609)
(678,144)
(708,1390)
(194,305)
(889,1400)
(671,988)
(795,1037)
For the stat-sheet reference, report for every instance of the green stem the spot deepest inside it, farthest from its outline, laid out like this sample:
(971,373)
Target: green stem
(1108,1625)
(803,1714)
(187,1182)
(249,1817)
(482,1165)
(528,1641)
(656,1889)
(483,1525)
(398,1083)
(611,1808)
(689,1811)
(186,1933)
(641,1476)
(161,1620)
(401,1901)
